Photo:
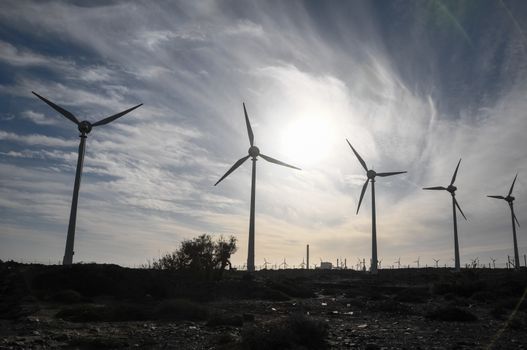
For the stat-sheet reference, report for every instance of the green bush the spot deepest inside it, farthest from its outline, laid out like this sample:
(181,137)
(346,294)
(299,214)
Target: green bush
(202,256)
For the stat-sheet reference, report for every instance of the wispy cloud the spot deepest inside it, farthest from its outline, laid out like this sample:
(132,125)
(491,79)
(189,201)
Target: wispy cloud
(311,77)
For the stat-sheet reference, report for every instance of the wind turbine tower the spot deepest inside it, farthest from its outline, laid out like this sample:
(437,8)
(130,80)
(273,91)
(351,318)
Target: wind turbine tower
(254,152)
(307,253)
(371,174)
(85,128)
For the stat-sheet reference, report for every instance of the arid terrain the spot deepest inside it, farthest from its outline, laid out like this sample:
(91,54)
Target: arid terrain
(88,306)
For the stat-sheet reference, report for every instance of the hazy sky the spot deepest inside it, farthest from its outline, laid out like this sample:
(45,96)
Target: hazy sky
(414,85)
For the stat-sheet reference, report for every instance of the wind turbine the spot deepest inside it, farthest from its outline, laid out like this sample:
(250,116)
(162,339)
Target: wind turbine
(398,261)
(84,128)
(254,152)
(437,262)
(371,174)
(493,262)
(284,264)
(452,189)
(510,199)
(265,264)
(303,264)
(417,261)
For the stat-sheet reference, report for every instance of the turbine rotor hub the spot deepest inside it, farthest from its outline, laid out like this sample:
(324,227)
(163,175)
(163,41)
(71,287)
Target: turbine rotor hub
(85,127)
(510,199)
(371,174)
(451,189)
(254,151)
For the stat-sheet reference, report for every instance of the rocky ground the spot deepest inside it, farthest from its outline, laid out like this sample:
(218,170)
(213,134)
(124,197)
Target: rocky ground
(92,307)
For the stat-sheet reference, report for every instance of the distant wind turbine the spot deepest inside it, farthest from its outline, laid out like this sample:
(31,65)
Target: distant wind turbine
(265,264)
(510,199)
(84,128)
(371,174)
(254,152)
(398,262)
(284,264)
(437,262)
(452,189)
(303,264)
(417,261)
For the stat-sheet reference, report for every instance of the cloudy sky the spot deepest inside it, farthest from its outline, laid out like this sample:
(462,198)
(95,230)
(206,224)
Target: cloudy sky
(414,85)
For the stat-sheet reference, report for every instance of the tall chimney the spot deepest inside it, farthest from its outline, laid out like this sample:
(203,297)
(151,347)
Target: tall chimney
(307,249)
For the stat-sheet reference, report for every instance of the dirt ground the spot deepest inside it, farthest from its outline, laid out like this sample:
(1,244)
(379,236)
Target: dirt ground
(45,307)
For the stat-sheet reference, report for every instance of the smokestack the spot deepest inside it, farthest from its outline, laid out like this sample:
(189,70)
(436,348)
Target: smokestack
(307,250)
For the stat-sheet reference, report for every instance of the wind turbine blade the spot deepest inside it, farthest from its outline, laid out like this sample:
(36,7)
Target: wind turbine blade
(364,187)
(59,109)
(390,174)
(272,160)
(434,188)
(512,186)
(516,219)
(249,129)
(498,197)
(115,116)
(455,173)
(457,205)
(236,165)
(358,157)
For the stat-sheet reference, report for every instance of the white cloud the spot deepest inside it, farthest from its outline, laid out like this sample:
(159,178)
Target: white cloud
(148,177)
(36,139)
(38,118)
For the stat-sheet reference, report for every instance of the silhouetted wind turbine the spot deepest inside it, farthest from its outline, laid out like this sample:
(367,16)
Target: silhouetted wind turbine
(371,177)
(452,189)
(398,261)
(254,152)
(84,128)
(510,199)
(265,264)
(493,262)
(437,262)
(284,264)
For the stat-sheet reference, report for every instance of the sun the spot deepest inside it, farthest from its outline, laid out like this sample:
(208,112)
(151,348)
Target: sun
(307,140)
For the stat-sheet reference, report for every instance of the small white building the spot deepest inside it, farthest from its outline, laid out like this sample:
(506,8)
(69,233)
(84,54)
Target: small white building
(326,265)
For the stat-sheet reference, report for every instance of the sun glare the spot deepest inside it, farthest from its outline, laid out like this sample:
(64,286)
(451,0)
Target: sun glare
(307,140)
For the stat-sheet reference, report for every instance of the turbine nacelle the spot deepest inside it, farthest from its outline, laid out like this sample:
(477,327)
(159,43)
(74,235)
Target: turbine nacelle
(371,174)
(85,127)
(452,189)
(254,151)
(510,199)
